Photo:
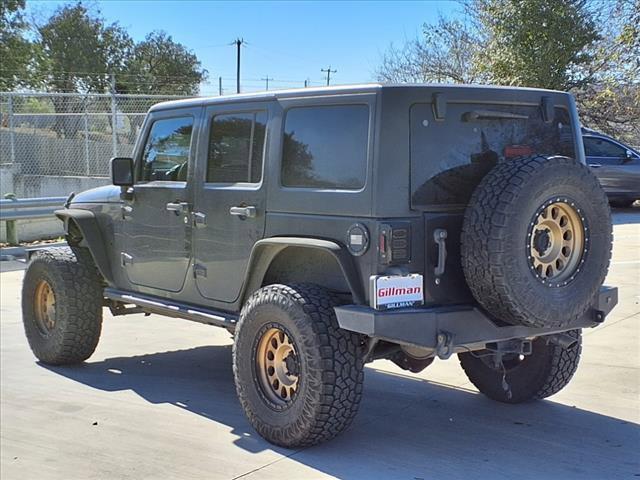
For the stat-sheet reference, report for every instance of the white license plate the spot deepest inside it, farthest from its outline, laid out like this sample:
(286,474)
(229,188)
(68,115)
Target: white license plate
(397,291)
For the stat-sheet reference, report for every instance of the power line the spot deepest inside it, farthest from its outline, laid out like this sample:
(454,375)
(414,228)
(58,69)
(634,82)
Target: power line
(329,72)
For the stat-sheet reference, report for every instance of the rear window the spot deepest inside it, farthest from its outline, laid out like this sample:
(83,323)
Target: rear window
(326,147)
(449,157)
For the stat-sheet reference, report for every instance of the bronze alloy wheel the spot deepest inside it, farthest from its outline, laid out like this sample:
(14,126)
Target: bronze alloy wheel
(278,367)
(44,306)
(557,242)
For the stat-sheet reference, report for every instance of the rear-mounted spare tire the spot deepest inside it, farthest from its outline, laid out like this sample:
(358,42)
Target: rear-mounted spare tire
(536,241)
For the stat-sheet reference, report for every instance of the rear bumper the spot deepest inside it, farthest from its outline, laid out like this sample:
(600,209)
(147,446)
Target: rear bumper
(457,328)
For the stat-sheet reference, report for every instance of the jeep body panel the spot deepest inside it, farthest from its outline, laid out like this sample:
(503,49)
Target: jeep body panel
(204,255)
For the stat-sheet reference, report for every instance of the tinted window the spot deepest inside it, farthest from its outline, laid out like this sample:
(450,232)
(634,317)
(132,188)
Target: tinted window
(166,153)
(236,148)
(597,147)
(450,157)
(326,147)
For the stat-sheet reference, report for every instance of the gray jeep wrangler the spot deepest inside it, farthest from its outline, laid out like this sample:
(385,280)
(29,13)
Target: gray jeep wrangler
(326,228)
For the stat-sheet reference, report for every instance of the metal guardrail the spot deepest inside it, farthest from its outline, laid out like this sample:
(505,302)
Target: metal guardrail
(13,209)
(29,208)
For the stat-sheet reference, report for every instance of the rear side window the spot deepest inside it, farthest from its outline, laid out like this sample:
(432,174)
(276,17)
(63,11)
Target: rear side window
(326,147)
(236,148)
(166,152)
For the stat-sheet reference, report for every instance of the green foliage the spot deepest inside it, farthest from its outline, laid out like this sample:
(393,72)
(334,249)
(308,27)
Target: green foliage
(75,50)
(591,48)
(534,43)
(80,49)
(159,65)
(15,51)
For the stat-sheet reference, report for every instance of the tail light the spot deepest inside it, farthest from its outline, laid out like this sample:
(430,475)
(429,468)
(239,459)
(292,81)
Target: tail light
(511,151)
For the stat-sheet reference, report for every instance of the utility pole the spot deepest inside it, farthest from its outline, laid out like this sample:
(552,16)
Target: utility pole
(267,80)
(238,42)
(220,86)
(329,72)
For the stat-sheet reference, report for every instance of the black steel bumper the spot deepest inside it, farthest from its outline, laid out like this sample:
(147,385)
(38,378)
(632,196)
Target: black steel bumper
(452,329)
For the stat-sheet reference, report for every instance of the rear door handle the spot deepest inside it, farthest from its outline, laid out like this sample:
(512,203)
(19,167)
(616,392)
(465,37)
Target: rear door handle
(440,237)
(595,165)
(247,212)
(178,207)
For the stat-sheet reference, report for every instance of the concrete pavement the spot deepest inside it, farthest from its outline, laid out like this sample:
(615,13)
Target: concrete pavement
(157,400)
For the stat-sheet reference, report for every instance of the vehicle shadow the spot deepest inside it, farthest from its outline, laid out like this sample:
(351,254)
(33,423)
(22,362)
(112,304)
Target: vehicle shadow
(407,427)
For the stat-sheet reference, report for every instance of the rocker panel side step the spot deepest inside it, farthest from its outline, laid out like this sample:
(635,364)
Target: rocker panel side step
(174,309)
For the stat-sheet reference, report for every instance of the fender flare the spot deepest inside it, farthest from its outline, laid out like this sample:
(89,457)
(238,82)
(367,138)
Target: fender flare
(264,251)
(92,237)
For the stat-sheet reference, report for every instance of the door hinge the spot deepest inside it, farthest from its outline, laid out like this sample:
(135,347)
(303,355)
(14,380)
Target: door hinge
(125,259)
(199,270)
(199,219)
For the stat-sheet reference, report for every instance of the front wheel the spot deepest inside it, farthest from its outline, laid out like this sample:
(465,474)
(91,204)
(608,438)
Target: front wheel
(62,305)
(297,374)
(546,371)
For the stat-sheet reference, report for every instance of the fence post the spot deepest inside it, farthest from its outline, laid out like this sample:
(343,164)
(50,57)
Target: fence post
(86,138)
(12,133)
(114,119)
(12,228)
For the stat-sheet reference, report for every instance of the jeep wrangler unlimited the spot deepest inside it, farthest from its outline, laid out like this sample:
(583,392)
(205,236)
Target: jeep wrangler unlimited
(326,228)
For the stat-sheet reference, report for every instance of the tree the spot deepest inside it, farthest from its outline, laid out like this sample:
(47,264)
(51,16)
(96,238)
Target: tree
(81,51)
(15,51)
(158,65)
(590,48)
(534,43)
(445,54)
(610,100)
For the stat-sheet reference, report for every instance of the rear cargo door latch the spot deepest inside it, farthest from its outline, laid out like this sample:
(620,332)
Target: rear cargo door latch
(440,237)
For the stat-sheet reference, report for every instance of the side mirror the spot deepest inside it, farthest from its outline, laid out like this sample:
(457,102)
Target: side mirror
(629,156)
(122,171)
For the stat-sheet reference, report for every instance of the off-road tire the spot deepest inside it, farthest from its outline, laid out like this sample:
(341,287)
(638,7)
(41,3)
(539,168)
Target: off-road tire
(495,249)
(545,372)
(75,282)
(330,365)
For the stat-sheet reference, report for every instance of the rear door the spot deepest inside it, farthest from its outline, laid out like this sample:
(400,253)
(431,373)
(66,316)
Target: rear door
(156,228)
(229,209)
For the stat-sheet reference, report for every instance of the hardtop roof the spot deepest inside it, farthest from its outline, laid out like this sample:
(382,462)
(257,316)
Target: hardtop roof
(331,91)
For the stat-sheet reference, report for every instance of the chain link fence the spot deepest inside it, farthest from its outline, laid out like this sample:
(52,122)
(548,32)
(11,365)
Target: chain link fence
(55,143)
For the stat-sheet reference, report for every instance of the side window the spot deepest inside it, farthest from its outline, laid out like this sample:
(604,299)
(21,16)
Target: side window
(236,148)
(325,147)
(166,153)
(598,147)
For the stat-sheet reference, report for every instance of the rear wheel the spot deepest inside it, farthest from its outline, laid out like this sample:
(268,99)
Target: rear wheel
(62,305)
(297,374)
(518,378)
(536,241)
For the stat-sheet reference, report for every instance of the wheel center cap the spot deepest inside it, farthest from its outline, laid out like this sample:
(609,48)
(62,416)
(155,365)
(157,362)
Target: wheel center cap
(541,241)
(291,363)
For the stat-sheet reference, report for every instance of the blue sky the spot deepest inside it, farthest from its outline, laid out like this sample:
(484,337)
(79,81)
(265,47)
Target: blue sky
(287,41)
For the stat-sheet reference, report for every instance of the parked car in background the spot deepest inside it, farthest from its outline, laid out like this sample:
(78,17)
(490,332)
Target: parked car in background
(616,165)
